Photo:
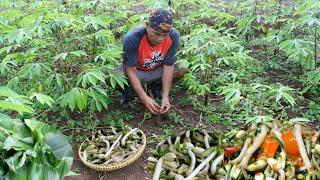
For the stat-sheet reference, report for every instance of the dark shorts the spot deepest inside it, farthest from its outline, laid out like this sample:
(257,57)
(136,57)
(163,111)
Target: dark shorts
(147,76)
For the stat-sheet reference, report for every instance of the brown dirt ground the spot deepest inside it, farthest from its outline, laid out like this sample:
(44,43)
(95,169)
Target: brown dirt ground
(153,126)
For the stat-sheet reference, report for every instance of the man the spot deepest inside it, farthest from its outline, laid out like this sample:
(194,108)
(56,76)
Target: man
(149,57)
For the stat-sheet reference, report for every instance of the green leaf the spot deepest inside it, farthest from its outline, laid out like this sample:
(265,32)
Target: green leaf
(299,120)
(63,168)
(81,99)
(49,80)
(15,106)
(59,144)
(92,79)
(18,145)
(61,55)
(13,161)
(42,172)
(94,24)
(289,98)
(21,174)
(78,53)
(22,132)
(5,49)
(33,124)
(258,119)
(6,92)
(59,80)
(104,103)
(42,98)
(101,90)
(99,75)
(6,122)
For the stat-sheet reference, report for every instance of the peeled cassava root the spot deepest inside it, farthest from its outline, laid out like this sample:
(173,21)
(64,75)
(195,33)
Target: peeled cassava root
(277,150)
(111,145)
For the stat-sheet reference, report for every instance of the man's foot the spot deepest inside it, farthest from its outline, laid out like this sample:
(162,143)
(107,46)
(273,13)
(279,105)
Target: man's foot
(127,96)
(156,89)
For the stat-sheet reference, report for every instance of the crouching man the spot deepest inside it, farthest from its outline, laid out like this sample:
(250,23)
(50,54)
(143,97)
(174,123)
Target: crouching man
(149,57)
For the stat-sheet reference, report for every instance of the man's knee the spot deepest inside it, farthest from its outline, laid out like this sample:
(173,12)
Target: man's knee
(178,75)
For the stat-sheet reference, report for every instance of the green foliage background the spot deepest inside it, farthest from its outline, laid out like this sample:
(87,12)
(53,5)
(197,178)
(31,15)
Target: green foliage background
(60,53)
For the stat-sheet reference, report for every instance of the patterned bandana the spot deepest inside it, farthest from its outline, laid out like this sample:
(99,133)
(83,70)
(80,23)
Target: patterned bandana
(160,20)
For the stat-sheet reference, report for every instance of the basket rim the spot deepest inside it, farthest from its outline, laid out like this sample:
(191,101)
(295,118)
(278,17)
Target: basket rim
(117,165)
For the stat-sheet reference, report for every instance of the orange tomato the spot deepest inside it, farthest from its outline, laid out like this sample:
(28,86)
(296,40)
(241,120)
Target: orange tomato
(291,146)
(270,146)
(290,143)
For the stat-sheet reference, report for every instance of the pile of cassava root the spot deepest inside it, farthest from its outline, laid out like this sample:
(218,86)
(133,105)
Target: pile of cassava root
(111,145)
(274,150)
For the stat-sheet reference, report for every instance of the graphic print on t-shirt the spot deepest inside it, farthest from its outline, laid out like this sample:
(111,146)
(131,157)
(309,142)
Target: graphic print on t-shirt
(157,58)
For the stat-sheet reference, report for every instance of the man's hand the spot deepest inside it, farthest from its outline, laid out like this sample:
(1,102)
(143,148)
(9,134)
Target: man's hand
(151,105)
(165,106)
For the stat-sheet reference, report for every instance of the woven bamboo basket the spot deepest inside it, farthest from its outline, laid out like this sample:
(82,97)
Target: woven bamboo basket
(114,166)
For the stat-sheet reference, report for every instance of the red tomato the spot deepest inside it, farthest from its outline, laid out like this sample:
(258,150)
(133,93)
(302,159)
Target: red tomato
(229,151)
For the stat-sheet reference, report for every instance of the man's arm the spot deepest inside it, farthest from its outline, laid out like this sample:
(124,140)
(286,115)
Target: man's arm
(168,70)
(166,84)
(135,83)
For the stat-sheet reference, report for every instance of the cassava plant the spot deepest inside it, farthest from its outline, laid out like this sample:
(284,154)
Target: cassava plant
(256,99)
(204,51)
(61,50)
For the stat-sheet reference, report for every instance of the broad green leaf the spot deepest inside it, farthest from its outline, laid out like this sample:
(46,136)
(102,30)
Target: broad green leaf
(63,168)
(6,122)
(22,132)
(3,137)
(21,174)
(42,172)
(14,143)
(15,106)
(46,128)
(33,124)
(13,161)
(59,144)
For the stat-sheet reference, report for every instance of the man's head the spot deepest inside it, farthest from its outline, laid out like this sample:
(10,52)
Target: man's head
(158,25)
